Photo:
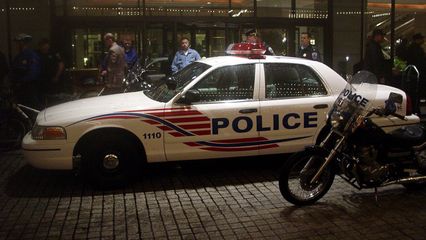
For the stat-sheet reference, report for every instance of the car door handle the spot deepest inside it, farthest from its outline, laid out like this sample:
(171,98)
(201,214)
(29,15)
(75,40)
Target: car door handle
(320,106)
(248,110)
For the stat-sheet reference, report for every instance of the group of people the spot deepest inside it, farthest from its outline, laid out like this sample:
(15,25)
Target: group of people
(411,54)
(123,56)
(119,58)
(32,74)
(187,55)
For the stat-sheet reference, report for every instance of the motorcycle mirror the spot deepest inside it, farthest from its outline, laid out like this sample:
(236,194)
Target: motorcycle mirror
(395,97)
(390,104)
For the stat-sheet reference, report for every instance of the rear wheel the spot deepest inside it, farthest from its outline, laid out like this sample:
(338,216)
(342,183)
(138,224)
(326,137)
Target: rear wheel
(294,181)
(111,160)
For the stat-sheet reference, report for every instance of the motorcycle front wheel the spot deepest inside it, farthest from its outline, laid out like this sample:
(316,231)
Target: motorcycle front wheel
(12,130)
(295,180)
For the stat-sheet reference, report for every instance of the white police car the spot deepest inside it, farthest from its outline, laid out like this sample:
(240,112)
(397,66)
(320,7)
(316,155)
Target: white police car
(218,107)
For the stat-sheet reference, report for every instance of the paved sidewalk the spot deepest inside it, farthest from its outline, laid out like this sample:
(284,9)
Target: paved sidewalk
(194,200)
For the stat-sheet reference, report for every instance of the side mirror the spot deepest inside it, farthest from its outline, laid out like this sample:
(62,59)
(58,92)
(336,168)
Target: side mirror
(171,83)
(390,104)
(191,96)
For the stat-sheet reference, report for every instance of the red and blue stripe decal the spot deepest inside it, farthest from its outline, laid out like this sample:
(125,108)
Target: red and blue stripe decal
(186,122)
(242,144)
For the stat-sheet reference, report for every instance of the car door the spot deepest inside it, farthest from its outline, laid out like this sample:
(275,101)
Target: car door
(222,122)
(294,103)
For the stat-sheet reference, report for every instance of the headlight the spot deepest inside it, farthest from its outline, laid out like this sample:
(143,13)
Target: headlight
(335,119)
(48,133)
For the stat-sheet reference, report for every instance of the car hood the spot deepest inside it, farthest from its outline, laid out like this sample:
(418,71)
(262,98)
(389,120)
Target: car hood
(70,112)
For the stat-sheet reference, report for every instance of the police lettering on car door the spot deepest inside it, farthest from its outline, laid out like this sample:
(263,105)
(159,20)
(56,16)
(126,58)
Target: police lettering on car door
(244,124)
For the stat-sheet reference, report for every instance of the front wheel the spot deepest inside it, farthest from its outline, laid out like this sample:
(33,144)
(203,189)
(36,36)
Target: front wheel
(111,161)
(12,130)
(295,181)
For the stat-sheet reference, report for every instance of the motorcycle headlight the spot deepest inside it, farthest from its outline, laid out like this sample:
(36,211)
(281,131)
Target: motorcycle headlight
(48,133)
(336,119)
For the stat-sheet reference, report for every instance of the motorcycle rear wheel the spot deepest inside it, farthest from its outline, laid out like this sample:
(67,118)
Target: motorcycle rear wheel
(295,185)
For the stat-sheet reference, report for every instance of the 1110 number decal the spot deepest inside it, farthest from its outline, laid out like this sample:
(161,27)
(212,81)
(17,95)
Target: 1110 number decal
(152,135)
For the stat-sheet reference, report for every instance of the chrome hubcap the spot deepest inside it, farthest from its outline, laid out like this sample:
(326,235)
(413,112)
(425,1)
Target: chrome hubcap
(111,161)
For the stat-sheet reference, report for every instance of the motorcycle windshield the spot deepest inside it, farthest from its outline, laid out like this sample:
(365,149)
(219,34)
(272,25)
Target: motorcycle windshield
(354,101)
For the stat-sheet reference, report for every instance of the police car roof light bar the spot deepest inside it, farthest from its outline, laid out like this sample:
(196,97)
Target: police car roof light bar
(250,50)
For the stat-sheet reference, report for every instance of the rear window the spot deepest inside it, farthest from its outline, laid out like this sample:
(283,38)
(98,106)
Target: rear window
(285,80)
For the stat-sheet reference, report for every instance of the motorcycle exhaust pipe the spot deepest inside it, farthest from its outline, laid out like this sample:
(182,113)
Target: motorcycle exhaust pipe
(406,180)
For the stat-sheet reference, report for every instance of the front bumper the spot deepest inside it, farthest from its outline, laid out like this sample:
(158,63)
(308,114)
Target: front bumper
(48,154)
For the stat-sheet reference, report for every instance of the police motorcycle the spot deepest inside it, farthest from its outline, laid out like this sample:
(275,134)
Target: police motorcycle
(356,149)
(15,121)
(135,80)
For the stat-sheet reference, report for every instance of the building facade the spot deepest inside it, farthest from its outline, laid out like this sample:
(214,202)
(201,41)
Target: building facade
(339,29)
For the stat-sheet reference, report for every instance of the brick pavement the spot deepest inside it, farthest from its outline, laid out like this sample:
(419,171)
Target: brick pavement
(194,200)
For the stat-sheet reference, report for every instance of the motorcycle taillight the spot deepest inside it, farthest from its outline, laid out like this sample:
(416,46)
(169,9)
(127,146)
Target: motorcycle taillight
(409,107)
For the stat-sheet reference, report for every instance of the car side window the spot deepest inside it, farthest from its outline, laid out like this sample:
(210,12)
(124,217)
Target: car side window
(227,83)
(291,80)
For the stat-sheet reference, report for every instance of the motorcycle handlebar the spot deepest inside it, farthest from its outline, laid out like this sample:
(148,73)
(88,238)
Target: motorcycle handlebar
(398,116)
(381,112)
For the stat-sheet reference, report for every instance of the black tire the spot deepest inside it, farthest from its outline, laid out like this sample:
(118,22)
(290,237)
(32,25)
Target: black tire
(292,168)
(110,161)
(12,131)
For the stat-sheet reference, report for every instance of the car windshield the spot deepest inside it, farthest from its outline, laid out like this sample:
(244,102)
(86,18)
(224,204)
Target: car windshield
(162,94)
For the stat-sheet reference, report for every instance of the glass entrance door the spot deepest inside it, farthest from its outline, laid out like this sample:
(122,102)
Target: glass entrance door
(277,39)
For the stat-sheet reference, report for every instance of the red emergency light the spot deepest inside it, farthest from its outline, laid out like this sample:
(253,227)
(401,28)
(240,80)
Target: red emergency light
(250,50)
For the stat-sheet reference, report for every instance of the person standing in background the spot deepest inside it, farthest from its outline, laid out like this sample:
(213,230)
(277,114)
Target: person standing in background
(4,68)
(24,72)
(115,63)
(185,56)
(52,68)
(374,60)
(252,36)
(416,54)
(306,49)
(130,52)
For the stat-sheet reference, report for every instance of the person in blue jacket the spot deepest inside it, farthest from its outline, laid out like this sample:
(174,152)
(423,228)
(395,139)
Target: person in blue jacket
(24,72)
(130,53)
(185,56)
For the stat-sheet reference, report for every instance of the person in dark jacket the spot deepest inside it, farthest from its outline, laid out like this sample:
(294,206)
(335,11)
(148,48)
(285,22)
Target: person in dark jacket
(374,60)
(4,69)
(253,37)
(307,50)
(24,72)
(52,68)
(416,54)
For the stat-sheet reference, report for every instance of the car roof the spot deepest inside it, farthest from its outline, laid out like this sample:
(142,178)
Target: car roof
(233,60)
(335,83)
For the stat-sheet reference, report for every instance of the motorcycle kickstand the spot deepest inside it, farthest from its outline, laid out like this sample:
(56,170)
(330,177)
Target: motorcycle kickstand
(376,197)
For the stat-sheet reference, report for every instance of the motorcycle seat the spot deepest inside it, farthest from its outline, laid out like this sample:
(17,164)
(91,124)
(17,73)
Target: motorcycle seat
(407,136)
